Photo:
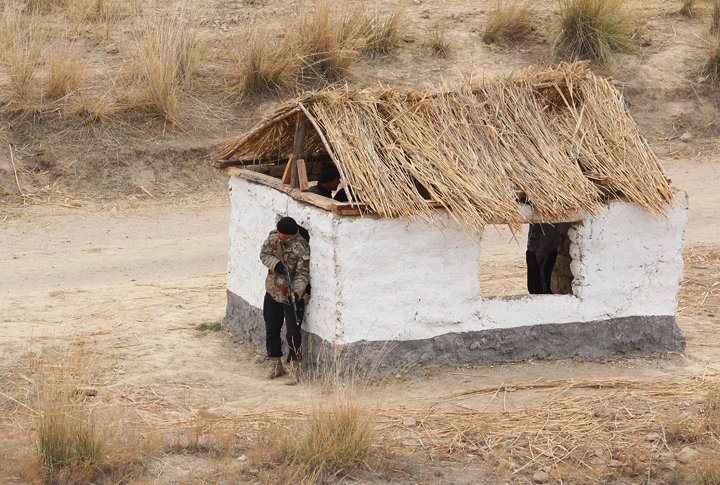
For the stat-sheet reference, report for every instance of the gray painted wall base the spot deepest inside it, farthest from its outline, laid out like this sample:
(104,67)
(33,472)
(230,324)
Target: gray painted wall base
(630,336)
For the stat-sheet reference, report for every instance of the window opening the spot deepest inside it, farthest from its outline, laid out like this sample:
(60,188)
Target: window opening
(511,268)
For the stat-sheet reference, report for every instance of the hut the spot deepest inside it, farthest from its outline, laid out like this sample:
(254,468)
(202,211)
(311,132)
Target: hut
(395,269)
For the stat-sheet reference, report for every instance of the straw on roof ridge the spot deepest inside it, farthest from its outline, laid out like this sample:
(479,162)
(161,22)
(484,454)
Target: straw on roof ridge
(475,147)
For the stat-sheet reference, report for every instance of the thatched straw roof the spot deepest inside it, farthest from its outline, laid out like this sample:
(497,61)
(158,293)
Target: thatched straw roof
(475,148)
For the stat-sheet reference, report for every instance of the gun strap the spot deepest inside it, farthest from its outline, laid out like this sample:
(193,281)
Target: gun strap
(280,253)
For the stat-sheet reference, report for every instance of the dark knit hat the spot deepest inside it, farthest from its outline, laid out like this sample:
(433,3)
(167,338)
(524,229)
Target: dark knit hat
(328,173)
(287,225)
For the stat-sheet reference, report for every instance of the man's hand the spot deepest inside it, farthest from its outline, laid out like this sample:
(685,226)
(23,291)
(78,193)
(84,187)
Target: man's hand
(279,268)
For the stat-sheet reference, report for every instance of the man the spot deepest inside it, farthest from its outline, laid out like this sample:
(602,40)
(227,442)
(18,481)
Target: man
(542,247)
(328,181)
(288,242)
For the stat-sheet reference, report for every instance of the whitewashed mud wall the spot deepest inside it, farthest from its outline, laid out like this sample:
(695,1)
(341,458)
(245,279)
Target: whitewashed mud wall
(400,280)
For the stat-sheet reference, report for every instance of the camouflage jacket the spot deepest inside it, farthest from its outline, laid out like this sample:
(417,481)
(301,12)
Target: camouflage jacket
(297,257)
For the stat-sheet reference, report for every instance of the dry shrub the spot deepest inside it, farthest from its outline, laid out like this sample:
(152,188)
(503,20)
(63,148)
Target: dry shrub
(711,68)
(324,46)
(319,47)
(64,71)
(266,64)
(21,61)
(715,18)
(166,54)
(67,437)
(687,9)
(337,437)
(511,22)
(438,42)
(593,29)
(378,34)
(20,50)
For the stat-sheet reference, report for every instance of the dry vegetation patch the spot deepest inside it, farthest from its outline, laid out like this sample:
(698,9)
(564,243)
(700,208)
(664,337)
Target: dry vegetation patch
(265,65)
(511,22)
(593,29)
(317,48)
(65,71)
(165,53)
(72,436)
(325,44)
(438,41)
(711,68)
(687,9)
(336,437)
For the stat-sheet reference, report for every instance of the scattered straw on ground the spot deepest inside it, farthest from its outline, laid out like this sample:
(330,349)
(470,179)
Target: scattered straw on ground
(700,288)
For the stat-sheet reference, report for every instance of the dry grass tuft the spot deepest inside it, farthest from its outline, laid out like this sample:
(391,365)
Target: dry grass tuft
(715,18)
(166,55)
(329,40)
(337,437)
(20,51)
(21,61)
(687,9)
(324,45)
(593,29)
(380,34)
(511,22)
(66,438)
(438,42)
(266,65)
(711,69)
(65,72)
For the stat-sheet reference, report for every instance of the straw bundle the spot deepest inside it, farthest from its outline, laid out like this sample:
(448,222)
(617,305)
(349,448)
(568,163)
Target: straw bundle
(476,148)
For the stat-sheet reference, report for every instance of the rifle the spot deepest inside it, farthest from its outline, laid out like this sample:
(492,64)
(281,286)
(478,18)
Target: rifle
(280,253)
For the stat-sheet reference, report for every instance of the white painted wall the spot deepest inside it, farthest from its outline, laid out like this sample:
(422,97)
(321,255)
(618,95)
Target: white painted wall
(255,211)
(399,279)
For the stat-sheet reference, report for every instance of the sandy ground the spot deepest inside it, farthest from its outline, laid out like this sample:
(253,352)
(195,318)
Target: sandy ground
(132,285)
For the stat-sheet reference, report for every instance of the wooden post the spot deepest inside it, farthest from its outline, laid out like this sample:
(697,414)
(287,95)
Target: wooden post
(288,170)
(303,183)
(298,149)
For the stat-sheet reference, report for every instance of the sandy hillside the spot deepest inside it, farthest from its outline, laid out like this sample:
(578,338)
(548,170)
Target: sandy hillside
(100,143)
(114,243)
